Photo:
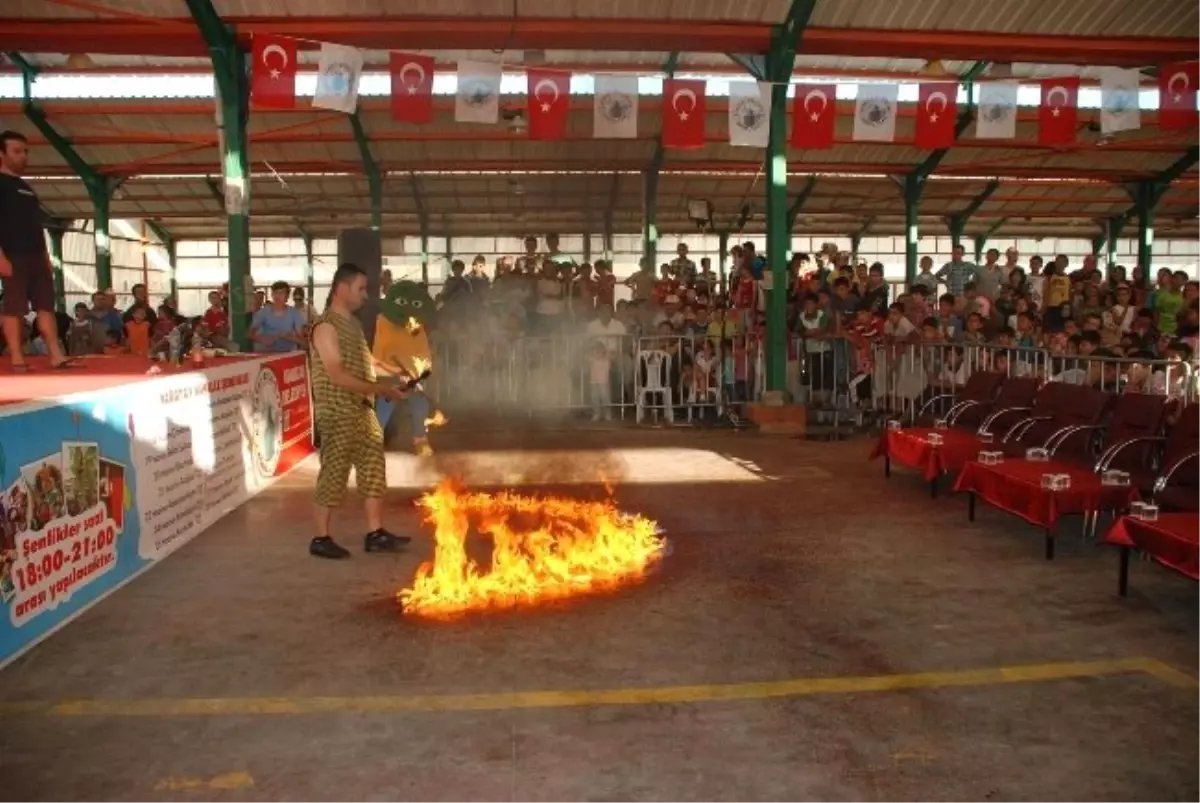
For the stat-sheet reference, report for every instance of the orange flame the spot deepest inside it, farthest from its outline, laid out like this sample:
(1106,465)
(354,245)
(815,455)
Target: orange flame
(438,419)
(543,548)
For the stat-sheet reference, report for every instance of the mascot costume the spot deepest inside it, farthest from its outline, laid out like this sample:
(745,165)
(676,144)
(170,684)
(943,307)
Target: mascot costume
(402,341)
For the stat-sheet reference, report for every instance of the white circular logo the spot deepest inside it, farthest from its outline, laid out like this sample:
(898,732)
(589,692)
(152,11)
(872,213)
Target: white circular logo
(996,112)
(267,423)
(477,93)
(750,114)
(875,112)
(616,106)
(337,79)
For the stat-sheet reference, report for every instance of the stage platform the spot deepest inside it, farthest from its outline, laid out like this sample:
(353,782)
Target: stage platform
(106,469)
(93,372)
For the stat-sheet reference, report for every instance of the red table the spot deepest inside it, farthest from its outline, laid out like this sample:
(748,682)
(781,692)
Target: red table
(911,448)
(1172,541)
(1015,486)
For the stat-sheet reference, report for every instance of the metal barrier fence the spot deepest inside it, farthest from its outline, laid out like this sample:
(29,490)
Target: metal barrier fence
(673,378)
(688,378)
(909,380)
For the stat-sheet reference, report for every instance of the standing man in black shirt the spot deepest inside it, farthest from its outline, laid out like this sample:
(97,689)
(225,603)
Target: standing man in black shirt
(25,265)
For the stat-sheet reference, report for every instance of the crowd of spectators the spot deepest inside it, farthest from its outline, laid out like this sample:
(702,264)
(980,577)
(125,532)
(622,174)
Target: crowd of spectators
(143,329)
(838,309)
(713,327)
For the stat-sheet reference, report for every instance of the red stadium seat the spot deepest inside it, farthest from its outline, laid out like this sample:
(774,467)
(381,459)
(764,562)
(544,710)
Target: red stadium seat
(911,448)
(1015,485)
(1178,484)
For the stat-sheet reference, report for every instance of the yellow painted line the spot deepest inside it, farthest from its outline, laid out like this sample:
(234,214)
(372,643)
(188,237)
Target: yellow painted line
(1169,674)
(256,706)
(229,781)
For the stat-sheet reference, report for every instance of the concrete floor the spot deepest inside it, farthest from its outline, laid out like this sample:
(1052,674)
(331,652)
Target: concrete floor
(801,563)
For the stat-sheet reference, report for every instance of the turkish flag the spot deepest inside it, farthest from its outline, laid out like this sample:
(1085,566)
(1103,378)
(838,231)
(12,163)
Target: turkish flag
(412,88)
(1177,95)
(937,111)
(273,73)
(683,113)
(1058,112)
(814,113)
(548,95)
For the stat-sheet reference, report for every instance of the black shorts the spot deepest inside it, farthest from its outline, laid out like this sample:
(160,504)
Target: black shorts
(31,285)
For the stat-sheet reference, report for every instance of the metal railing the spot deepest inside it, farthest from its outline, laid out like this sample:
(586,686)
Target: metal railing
(675,378)
(697,377)
(906,377)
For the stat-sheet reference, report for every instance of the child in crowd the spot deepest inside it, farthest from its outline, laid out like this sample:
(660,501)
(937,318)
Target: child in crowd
(112,344)
(137,333)
(600,381)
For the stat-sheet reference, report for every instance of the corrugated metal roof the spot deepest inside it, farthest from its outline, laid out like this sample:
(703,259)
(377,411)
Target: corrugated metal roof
(733,10)
(738,10)
(1064,17)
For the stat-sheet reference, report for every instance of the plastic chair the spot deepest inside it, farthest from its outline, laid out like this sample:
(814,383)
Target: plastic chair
(654,376)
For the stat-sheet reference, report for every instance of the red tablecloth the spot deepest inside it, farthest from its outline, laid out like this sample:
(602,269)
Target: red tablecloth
(1015,486)
(1172,540)
(911,448)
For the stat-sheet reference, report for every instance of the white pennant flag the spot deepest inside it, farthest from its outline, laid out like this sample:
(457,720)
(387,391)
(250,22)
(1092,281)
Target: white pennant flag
(996,115)
(615,115)
(337,78)
(478,97)
(875,112)
(1119,100)
(749,114)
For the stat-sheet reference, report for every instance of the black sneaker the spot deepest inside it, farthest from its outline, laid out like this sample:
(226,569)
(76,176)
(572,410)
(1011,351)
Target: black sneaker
(326,547)
(383,541)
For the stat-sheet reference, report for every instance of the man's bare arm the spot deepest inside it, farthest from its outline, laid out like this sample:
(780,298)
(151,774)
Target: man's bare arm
(325,342)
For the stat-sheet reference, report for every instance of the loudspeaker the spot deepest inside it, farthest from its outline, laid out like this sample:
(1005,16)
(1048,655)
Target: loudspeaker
(363,247)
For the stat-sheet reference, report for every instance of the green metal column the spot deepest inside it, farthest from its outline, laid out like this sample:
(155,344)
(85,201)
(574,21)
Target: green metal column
(914,183)
(424,256)
(912,198)
(956,224)
(309,269)
(371,168)
(1112,233)
(650,218)
(173,271)
(1146,195)
(722,257)
(103,240)
(233,99)
(56,260)
(1144,206)
(980,242)
(855,242)
(780,61)
(778,240)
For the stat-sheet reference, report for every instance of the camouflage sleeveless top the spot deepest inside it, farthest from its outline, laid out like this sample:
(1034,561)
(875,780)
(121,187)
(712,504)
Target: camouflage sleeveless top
(328,398)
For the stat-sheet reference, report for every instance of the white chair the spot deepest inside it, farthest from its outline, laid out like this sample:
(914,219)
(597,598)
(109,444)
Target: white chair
(654,376)
(710,391)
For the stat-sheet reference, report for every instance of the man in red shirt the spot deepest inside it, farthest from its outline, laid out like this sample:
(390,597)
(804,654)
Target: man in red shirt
(606,284)
(216,319)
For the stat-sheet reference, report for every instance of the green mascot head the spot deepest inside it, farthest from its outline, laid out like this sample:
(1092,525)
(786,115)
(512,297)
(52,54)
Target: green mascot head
(407,300)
